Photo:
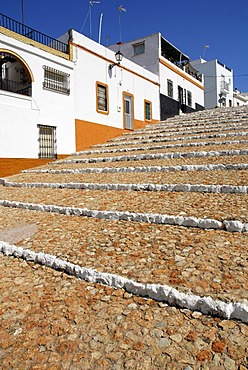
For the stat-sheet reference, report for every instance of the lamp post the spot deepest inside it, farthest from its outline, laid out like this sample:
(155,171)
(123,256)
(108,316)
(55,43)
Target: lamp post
(118,57)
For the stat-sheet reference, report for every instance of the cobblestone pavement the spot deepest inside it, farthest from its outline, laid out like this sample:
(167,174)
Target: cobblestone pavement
(154,162)
(217,206)
(50,320)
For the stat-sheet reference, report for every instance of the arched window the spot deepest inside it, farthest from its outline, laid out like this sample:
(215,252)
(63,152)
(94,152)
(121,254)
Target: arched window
(14,74)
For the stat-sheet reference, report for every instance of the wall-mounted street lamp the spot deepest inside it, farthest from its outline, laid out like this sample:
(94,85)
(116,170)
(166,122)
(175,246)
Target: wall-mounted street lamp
(118,57)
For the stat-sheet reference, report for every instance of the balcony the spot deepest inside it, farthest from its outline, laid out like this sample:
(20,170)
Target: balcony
(16,87)
(32,34)
(224,86)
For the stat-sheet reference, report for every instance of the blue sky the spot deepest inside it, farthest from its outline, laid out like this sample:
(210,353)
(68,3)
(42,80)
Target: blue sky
(223,25)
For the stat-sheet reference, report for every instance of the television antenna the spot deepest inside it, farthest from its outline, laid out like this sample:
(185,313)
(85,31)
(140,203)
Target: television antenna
(89,15)
(91,3)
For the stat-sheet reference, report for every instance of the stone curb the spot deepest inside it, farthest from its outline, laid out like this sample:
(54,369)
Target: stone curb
(158,140)
(196,167)
(168,134)
(188,188)
(202,223)
(184,128)
(196,123)
(169,146)
(139,157)
(162,293)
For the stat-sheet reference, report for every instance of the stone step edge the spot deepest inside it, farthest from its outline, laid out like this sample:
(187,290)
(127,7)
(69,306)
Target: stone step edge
(163,219)
(168,155)
(174,128)
(164,139)
(196,123)
(186,188)
(193,167)
(155,147)
(157,292)
(168,134)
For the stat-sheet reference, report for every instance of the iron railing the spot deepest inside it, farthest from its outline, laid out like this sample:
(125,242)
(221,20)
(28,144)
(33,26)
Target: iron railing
(32,34)
(16,87)
(224,86)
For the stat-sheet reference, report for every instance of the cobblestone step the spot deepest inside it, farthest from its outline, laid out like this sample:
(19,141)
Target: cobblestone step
(163,240)
(170,139)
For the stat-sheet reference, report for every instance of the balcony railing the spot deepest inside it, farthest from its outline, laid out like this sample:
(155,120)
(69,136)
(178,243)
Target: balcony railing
(224,86)
(16,87)
(32,34)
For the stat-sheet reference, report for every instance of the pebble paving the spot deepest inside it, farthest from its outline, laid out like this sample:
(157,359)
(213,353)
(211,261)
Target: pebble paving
(50,320)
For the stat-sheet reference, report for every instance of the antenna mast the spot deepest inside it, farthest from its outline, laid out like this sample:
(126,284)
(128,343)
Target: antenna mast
(91,3)
(100,28)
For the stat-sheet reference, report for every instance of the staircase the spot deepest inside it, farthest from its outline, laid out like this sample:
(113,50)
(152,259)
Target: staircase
(160,213)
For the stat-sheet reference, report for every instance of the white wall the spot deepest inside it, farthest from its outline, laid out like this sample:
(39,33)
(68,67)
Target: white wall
(182,81)
(149,59)
(92,62)
(20,114)
(212,71)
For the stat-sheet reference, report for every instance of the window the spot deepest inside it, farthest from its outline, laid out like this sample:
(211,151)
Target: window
(102,98)
(148,110)
(170,88)
(47,141)
(56,80)
(139,48)
(189,98)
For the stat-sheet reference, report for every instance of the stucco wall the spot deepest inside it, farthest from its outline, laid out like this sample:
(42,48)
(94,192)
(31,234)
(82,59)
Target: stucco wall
(20,114)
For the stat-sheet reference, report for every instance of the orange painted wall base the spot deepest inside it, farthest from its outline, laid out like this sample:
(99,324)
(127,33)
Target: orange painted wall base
(89,133)
(12,166)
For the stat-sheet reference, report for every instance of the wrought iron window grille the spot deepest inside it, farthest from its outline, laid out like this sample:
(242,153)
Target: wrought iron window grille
(56,80)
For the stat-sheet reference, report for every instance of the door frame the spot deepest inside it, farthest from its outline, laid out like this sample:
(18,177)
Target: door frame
(131,98)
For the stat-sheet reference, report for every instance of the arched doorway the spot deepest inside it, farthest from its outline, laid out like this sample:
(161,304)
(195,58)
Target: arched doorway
(15,75)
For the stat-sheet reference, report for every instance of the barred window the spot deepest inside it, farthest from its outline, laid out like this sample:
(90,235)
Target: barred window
(56,80)
(102,98)
(170,88)
(139,48)
(148,110)
(189,98)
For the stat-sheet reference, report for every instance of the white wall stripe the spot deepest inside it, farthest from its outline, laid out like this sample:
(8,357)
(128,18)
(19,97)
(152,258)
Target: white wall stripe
(162,293)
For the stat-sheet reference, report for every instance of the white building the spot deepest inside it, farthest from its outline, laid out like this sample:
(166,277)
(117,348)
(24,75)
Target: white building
(36,101)
(181,86)
(109,96)
(239,98)
(218,82)
(60,96)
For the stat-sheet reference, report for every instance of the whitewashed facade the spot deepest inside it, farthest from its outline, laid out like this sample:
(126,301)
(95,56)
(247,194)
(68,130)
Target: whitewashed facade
(181,86)
(127,85)
(218,82)
(53,103)
(26,120)
(239,98)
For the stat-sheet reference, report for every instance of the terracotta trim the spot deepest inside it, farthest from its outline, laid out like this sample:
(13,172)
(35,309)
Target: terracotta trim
(149,102)
(123,105)
(182,74)
(22,61)
(107,97)
(36,44)
(111,62)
